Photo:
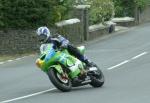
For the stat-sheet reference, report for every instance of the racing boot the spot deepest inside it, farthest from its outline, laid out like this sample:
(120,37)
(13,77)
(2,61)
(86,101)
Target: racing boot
(77,80)
(88,64)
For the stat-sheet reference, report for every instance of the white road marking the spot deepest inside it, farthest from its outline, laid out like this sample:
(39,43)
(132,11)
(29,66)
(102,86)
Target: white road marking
(42,92)
(113,67)
(1,62)
(126,61)
(102,50)
(16,59)
(9,60)
(27,96)
(144,53)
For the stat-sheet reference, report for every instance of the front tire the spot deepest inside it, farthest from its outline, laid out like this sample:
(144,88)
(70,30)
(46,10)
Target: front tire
(54,76)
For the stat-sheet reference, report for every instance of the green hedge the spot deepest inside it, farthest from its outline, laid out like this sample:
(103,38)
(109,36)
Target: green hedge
(100,11)
(32,13)
(127,7)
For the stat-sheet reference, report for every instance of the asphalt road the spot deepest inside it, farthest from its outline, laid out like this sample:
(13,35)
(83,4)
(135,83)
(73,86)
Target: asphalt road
(124,58)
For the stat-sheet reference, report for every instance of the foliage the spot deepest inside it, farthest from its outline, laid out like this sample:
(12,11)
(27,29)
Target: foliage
(141,3)
(101,10)
(32,13)
(126,7)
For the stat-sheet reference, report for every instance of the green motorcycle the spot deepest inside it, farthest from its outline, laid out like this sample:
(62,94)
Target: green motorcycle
(62,68)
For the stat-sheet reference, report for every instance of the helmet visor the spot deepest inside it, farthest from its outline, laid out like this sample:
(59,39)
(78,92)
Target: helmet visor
(42,38)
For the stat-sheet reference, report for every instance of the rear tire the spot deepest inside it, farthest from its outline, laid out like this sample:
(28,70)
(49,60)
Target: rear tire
(98,80)
(53,76)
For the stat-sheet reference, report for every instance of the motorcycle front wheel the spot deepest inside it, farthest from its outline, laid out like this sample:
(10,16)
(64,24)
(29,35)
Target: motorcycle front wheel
(59,81)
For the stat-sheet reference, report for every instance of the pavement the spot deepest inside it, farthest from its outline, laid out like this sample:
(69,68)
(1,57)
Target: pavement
(123,58)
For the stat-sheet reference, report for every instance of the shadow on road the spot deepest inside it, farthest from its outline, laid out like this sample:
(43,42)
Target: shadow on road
(77,89)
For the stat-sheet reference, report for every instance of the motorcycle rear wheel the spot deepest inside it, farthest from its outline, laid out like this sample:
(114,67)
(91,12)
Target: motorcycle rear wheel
(54,77)
(98,80)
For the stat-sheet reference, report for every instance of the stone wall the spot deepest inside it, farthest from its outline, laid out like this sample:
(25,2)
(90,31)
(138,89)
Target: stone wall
(124,21)
(144,15)
(18,41)
(76,30)
(26,41)
(98,30)
(71,29)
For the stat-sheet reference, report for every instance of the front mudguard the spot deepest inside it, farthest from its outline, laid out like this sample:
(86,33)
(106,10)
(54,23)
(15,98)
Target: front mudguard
(58,68)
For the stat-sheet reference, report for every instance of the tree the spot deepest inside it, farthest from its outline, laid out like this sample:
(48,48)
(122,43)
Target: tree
(101,10)
(126,7)
(32,13)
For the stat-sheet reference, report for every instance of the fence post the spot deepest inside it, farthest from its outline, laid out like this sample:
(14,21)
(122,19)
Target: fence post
(82,12)
(137,15)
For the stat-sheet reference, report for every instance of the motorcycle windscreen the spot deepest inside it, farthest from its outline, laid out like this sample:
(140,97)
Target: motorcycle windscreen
(48,51)
(44,48)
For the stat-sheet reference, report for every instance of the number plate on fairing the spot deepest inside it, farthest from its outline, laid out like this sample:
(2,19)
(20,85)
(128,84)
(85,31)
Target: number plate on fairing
(93,69)
(75,66)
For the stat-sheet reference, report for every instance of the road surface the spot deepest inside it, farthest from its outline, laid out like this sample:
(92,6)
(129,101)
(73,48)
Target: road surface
(124,58)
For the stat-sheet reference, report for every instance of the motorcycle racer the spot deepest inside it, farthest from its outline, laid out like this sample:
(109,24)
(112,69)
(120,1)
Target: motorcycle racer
(59,41)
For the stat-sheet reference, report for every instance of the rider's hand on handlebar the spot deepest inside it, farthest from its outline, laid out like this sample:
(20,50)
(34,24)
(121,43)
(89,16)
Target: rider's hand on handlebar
(64,46)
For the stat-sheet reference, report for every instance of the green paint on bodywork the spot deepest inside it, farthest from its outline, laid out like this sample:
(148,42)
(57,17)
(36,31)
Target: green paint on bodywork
(74,74)
(58,68)
(60,58)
